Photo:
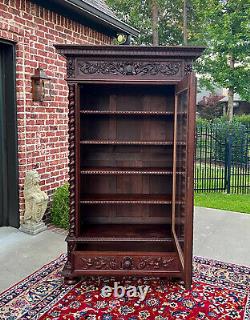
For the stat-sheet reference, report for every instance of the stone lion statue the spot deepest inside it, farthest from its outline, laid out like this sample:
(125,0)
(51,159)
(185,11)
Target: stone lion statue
(36,200)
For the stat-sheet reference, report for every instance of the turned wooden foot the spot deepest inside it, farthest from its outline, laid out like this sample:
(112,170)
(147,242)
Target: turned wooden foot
(70,281)
(188,286)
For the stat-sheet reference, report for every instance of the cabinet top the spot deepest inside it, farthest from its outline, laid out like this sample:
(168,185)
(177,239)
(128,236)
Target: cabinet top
(133,64)
(191,52)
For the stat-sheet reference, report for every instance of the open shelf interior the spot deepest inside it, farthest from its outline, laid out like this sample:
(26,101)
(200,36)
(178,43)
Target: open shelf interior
(123,232)
(126,164)
(125,246)
(127,213)
(127,99)
(130,156)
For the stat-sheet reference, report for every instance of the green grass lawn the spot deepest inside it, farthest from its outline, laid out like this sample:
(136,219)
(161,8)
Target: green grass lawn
(230,202)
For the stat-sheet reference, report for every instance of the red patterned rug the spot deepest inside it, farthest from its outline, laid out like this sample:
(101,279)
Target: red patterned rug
(219,291)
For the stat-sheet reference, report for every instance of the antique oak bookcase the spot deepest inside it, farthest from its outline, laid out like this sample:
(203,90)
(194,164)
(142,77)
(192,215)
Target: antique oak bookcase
(131,148)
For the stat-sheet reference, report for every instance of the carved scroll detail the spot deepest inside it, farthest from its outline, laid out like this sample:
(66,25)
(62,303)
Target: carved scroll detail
(128,68)
(188,68)
(70,68)
(159,263)
(127,263)
(72,160)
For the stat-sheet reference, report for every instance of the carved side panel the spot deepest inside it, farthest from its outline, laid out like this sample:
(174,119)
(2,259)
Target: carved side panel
(70,67)
(123,263)
(72,160)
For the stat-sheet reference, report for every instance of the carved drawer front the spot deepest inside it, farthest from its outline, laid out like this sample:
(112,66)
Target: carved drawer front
(132,263)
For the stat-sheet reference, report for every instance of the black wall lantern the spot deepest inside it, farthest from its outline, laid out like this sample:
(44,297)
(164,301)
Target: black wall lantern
(38,85)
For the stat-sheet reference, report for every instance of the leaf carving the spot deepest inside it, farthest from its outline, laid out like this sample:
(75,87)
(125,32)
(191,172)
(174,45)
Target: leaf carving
(130,68)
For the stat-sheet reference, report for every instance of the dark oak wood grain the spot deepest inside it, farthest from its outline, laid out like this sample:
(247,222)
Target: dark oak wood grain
(131,146)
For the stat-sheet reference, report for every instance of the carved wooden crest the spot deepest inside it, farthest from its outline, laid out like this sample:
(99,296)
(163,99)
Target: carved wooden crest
(129,68)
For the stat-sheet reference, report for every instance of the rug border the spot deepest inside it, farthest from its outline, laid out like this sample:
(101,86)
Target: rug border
(32,274)
(64,255)
(220,261)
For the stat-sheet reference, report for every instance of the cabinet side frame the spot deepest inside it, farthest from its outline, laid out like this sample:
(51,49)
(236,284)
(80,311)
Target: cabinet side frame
(188,237)
(74,143)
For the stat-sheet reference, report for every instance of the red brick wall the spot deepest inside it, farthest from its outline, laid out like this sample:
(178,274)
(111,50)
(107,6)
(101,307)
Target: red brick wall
(42,127)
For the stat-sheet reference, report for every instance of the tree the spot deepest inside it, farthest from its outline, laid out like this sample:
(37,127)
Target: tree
(138,13)
(155,21)
(185,23)
(209,107)
(221,25)
(224,29)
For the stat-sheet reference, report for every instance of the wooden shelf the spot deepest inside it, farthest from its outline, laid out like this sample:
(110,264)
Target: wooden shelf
(127,112)
(128,171)
(115,142)
(127,199)
(126,232)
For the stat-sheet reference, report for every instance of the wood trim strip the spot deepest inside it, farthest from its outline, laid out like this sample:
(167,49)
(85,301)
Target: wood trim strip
(116,142)
(188,237)
(138,171)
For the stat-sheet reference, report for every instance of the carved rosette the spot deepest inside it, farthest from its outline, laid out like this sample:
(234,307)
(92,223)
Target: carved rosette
(130,68)
(70,68)
(188,68)
(72,160)
(128,263)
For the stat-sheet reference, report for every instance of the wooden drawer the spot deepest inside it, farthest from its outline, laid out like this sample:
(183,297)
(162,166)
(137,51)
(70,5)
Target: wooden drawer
(125,263)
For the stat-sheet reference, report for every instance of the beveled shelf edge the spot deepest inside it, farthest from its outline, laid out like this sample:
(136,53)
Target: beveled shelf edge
(128,112)
(129,202)
(128,172)
(114,142)
(116,239)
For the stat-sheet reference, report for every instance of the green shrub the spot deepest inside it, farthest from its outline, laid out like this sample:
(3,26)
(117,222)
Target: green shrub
(202,122)
(60,207)
(243,119)
(221,132)
(237,132)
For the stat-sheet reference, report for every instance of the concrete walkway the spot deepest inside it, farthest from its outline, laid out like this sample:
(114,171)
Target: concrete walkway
(22,254)
(222,235)
(218,235)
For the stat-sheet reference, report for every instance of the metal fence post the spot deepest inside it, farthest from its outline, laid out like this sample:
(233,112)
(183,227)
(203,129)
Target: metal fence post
(222,160)
(225,164)
(228,162)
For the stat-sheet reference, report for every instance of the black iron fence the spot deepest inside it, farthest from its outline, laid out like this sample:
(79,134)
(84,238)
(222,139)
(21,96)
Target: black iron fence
(222,160)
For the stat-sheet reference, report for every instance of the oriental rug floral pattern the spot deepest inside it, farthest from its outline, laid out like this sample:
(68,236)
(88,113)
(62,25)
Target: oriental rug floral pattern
(219,291)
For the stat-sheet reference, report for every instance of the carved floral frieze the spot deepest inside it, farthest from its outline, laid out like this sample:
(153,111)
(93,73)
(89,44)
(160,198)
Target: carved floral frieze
(130,68)
(127,263)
